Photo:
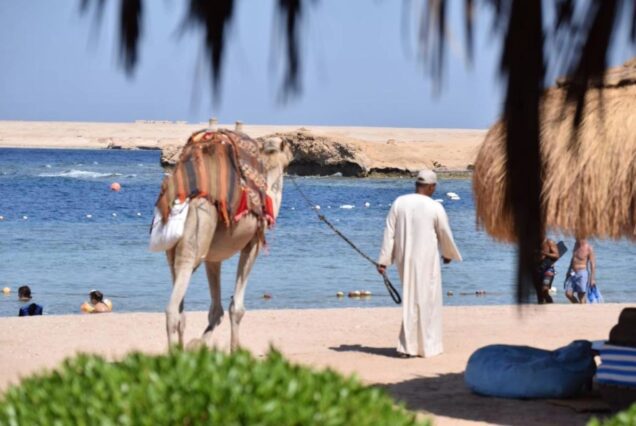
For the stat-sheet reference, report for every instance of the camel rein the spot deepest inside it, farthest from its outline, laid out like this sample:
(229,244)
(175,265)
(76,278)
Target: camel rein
(392,291)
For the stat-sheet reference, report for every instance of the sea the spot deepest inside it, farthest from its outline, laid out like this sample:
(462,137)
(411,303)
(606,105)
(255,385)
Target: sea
(64,233)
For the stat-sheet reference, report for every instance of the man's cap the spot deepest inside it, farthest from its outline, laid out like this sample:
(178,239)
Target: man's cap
(426,177)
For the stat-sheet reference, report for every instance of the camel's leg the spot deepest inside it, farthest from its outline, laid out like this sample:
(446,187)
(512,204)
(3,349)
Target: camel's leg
(237,308)
(186,256)
(170,254)
(215,314)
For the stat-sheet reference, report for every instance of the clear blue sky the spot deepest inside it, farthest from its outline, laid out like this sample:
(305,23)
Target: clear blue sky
(357,69)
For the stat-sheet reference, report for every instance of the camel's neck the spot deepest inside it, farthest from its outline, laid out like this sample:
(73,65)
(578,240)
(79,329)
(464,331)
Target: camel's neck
(275,187)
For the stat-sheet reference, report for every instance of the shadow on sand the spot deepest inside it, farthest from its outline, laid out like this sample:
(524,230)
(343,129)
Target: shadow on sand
(388,352)
(447,395)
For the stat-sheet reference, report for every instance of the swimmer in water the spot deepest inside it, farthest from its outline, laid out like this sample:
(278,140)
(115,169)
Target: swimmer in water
(98,302)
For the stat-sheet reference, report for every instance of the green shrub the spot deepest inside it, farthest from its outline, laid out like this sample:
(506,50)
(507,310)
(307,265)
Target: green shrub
(202,387)
(624,418)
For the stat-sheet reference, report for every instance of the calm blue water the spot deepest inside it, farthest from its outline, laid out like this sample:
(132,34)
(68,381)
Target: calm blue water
(62,254)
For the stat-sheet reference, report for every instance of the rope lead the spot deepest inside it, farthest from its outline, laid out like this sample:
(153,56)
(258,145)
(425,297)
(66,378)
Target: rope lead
(395,295)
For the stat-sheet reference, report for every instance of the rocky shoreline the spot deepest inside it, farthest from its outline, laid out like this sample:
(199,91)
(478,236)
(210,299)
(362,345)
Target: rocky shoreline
(326,155)
(318,150)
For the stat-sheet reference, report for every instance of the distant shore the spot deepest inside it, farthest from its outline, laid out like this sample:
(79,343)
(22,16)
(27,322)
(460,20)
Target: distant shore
(351,151)
(353,340)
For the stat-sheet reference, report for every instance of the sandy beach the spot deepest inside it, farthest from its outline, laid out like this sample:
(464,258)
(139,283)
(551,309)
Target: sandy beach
(383,147)
(359,341)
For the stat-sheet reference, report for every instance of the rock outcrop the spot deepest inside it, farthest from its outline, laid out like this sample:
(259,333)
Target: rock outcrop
(318,154)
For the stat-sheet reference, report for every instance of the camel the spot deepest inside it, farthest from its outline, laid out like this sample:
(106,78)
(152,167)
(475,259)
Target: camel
(207,239)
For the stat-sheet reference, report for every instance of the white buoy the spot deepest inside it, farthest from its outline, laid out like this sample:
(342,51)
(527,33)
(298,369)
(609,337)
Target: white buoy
(347,206)
(317,207)
(328,207)
(25,217)
(1,218)
(114,214)
(451,194)
(367,204)
(89,216)
(293,208)
(138,214)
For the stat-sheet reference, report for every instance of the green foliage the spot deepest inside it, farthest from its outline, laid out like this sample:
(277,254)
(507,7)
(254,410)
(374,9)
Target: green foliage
(201,387)
(624,418)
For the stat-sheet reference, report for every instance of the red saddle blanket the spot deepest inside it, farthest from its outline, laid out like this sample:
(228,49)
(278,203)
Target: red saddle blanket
(224,167)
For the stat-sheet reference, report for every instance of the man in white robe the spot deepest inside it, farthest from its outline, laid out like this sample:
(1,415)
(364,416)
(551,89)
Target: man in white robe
(417,230)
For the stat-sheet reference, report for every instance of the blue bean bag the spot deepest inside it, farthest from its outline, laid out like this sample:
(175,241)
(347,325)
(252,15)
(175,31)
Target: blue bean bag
(523,372)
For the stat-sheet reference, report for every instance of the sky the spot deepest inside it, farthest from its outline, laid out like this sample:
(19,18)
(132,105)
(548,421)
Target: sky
(358,68)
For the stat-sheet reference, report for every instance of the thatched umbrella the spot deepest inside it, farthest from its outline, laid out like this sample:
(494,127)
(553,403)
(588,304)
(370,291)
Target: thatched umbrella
(589,174)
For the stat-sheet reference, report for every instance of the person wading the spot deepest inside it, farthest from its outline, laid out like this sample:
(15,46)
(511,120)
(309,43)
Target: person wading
(580,278)
(416,231)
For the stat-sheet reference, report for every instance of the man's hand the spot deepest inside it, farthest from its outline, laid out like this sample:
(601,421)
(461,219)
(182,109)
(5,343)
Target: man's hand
(446,260)
(381,269)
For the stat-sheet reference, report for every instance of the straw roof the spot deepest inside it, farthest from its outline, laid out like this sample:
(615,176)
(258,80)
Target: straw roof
(589,176)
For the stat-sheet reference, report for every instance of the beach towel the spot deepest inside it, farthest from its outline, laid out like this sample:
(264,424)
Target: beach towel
(594,294)
(224,167)
(618,365)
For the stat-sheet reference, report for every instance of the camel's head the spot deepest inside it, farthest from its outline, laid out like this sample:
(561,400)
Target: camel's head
(276,153)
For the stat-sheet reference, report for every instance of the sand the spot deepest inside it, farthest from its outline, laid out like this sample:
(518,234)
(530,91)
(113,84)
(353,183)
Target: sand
(386,147)
(359,341)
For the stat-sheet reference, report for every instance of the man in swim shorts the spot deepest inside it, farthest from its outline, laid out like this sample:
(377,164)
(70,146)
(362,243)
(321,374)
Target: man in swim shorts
(577,283)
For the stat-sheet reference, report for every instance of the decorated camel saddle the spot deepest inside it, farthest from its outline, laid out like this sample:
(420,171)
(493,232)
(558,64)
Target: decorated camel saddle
(224,167)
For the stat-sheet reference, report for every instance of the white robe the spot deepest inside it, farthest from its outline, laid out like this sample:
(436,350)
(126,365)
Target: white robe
(415,226)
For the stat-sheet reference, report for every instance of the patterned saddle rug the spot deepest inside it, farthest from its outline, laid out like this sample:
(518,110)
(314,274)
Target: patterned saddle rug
(224,167)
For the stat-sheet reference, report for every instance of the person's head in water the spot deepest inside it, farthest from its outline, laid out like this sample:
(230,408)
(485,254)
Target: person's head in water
(426,182)
(24,293)
(96,296)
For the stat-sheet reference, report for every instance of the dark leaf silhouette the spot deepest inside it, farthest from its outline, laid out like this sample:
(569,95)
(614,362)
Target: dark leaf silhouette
(130,31)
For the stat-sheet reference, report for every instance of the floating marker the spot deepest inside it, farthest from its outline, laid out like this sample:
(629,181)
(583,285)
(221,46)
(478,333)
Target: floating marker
(317,207)
(89,216)
(25,217)
(138,214)
(293,208)
(114,214)
(347,206)
(115,186)
(367,204)
(1,218)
